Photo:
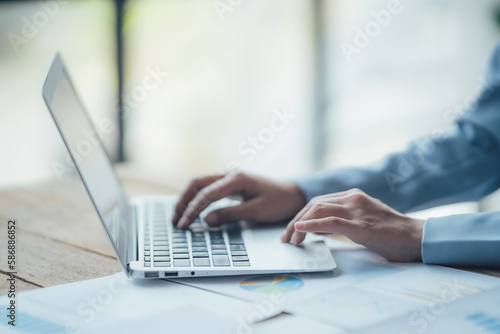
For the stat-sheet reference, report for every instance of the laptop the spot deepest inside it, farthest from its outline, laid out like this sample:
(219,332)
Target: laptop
(145,241)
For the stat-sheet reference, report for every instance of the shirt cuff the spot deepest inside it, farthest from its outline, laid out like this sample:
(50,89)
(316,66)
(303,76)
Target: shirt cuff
(464,240)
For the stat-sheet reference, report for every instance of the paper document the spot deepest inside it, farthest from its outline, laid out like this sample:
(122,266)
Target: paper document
(398,294)
(94,305)
(474,314)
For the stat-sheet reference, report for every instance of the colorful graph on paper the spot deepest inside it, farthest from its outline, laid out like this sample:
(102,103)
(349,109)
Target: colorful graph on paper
(272,284)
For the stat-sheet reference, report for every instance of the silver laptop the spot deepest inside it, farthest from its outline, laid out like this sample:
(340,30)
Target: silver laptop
(145,241)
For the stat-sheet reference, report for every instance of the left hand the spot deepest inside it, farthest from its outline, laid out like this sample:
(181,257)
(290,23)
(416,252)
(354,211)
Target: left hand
(363,219)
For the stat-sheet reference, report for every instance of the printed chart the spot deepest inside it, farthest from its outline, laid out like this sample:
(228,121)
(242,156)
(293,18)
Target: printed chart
(272,284)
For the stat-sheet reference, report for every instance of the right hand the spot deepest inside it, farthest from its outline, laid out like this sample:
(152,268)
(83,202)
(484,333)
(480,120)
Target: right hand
(263,200)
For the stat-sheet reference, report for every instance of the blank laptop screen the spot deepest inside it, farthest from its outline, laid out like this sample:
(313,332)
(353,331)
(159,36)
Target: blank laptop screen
(84,144)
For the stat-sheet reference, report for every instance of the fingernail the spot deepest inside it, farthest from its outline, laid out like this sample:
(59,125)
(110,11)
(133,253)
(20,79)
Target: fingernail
(211,218)
(182,222)
(299,225)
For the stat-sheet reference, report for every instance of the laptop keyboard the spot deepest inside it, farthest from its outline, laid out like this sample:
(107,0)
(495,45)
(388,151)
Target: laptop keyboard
(199,246)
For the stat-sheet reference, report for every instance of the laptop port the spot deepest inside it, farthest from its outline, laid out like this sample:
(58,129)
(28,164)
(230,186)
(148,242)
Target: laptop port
(171,274)
(151,274)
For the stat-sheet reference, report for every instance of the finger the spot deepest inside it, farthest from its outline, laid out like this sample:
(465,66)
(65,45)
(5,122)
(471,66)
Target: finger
(328,225)
(338,198)
(287,236)
(314,210)
(298,237)
(243,211)
(317,210)
(230,184)
(190,192)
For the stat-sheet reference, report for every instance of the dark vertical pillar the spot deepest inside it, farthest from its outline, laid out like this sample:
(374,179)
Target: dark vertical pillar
(119,6)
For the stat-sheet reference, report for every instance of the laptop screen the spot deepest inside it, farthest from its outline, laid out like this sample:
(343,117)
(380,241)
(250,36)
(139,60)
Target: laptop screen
(84,144)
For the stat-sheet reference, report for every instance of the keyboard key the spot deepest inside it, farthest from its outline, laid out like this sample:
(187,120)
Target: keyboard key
(241,264)
(162,264)
(161,253)
(181,251)
(161,248)
(147,264)
(200,249)
(219,252)
(179,245)
(182,263)
(201,262)
(159,230)
(240,258)
(238,253)
(218,246)
(236,241)
(237,247)
(181,256)
(199,244)
(218,241)
(147,258)
(161,258)
(161,243)
(220,260)
(147,253)
(200,254)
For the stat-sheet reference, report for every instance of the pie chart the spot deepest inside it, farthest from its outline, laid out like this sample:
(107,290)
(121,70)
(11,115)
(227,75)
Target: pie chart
(272,284)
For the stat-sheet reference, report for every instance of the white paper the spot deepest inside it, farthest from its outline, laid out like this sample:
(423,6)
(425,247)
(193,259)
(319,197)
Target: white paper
(395,295)
(291,324)
(277,291)
(92,305)
(479,313)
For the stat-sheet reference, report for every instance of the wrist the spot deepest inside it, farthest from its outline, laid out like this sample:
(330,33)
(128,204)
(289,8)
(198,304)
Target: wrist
(298,198)
(417,235)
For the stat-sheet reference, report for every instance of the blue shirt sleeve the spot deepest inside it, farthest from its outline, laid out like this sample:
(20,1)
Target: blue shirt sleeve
(465,240)
(463,165)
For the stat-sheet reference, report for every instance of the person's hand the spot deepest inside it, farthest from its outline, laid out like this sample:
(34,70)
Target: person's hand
(363,219)
(263,200)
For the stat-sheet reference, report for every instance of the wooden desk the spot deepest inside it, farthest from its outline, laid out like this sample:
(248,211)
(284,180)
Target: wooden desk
(59,237)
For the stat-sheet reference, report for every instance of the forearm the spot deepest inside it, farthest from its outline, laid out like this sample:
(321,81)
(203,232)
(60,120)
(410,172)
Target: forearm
(462,166)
